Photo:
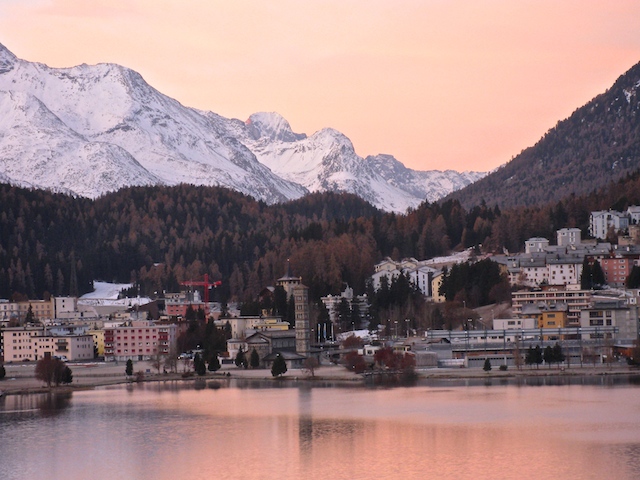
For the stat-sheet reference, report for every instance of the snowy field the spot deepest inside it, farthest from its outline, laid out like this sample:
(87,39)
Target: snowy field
(107,294)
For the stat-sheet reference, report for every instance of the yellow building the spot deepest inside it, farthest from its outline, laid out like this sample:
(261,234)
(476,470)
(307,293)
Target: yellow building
(98,340)
(547,317)
(435,288)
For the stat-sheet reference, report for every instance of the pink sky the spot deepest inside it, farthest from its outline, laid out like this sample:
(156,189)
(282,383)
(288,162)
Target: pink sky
(437,83)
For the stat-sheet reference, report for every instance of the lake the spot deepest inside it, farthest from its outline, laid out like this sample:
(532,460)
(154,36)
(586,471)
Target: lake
(529,429)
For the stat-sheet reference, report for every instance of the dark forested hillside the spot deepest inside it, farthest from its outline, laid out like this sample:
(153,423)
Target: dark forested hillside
(159,236)
(597,144)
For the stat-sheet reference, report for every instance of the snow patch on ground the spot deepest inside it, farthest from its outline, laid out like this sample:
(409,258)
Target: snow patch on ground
(106,291)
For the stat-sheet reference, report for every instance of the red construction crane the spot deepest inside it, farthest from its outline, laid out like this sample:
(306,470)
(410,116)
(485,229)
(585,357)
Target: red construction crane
(206,286)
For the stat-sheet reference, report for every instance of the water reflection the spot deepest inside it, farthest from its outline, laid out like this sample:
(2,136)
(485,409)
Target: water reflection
(46,403)
(215,429)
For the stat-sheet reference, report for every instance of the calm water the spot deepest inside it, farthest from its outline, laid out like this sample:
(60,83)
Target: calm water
(173,431)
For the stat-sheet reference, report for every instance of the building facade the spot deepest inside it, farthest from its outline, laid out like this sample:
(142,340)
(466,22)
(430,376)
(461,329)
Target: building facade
(612,314)
(22,344)
(302,319)
(601,221)
(139,340)
(575,299)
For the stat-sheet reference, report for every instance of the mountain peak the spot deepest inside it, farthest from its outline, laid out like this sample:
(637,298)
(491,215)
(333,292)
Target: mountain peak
(90,129)
(7,59)
(271,126)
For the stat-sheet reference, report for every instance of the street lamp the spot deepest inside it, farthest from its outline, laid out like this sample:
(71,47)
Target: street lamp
(407,320)
(396,323)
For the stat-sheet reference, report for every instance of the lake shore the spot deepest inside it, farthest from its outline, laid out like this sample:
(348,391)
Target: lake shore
(20,378)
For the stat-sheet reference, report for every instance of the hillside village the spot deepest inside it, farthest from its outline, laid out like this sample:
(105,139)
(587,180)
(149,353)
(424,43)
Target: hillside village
(577,296)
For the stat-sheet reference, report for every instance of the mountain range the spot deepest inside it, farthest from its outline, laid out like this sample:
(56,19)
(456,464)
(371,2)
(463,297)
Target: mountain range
(89,130)
(597,145)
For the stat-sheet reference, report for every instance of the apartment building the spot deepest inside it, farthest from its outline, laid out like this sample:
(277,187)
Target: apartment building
(568,236)
(575,299)
(612,313)
(418,272)
(21,344)
(138,340)
(601,221)
(332,303)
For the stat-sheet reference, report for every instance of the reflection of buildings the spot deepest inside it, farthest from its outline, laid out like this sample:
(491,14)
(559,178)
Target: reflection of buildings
(305,423)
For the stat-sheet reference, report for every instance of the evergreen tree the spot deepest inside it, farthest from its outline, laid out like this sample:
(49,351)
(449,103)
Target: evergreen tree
(280,301)
(279,366)
(344,315)
(241,359)
(586,277)
(529,359)
(291,312)
(3,372)
(537,356)
(67,375)
(633,280)
(254,360)
(73,277)
(214,363)
(199,365)
(548,355)
(128,370)
(190,314)
(558,355)
(30,317)
(487,365)
(598,274)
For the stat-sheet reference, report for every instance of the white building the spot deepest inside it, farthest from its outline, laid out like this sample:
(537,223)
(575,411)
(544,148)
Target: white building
(513,323)
(569,236)
(633,212)
(332,303)
(601,221)
(536,244)
(419,273)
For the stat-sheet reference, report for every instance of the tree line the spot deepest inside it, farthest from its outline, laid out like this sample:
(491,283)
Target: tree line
(157,237)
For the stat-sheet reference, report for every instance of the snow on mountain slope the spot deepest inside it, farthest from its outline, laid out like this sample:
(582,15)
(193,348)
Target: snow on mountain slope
(117,116)
(327,161)
(430,185)
(44,158)
(87,130)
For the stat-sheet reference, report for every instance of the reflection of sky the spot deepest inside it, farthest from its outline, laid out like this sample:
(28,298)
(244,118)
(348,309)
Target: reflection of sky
(464,432)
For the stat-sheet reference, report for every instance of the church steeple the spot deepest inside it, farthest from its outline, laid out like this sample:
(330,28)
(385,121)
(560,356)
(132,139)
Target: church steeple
(288,282)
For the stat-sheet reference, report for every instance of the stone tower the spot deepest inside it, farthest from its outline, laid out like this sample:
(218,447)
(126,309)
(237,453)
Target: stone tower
(288,281)
(301,302)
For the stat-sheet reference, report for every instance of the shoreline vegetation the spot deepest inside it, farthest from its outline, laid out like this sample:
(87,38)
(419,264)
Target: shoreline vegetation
(20,378)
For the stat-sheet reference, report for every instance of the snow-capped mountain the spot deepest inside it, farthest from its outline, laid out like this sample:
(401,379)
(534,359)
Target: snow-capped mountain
(88,130)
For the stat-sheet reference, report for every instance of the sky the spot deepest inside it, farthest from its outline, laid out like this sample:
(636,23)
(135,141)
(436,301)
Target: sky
(439,84)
